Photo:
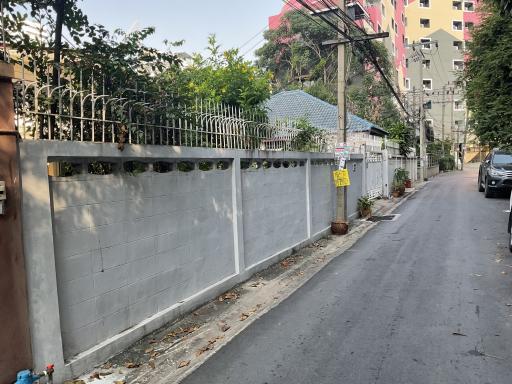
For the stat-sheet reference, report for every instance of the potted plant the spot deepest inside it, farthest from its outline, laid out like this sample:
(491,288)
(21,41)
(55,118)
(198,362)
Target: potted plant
(396,189)
(364,206)
(401,175)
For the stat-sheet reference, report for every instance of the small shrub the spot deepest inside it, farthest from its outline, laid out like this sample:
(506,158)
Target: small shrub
(446,163)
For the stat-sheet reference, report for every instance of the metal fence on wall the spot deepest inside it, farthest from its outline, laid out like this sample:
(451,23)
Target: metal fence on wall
(77,111)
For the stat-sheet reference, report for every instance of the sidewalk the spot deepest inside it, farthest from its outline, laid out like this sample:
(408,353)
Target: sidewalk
(176,350)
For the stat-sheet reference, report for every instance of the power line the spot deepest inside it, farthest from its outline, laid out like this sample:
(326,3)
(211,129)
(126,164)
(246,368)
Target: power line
(253,47)
(366,48)
(253,37)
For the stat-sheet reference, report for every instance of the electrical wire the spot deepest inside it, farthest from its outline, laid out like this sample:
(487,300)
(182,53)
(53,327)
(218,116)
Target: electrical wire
(253,47)
(253,37)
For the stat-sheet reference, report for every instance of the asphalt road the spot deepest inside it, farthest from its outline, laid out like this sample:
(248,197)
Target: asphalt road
(386,311)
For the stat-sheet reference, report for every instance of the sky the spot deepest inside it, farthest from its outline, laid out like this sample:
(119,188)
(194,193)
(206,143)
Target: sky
(235,22)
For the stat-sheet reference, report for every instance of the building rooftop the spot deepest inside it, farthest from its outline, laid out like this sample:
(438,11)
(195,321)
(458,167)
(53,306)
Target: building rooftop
(299,104)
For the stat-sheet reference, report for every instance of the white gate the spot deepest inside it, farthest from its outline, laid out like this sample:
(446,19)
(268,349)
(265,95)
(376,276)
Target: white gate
(374,174)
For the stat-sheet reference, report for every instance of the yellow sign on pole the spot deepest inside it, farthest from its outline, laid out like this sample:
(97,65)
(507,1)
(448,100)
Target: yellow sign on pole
(341,178)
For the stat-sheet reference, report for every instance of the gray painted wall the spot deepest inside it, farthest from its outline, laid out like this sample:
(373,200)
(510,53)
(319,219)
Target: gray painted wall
(127,247)
(111,258)
(275,210)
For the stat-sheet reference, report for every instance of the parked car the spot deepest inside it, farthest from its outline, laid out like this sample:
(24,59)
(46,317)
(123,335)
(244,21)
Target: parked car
(495,173)
(510,224)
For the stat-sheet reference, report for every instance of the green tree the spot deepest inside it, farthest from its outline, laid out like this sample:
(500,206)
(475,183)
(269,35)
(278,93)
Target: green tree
(53,16)
(223,76)
(488,78)
(404,135)
(294,52)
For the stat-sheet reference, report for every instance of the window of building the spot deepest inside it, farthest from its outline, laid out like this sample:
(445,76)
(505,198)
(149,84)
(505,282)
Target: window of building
(393,49)
(424,3)
(428,104)
(425,23)
(392,24)
(425,41)
(406,2)
(469,6)
(383,10)
(457,5)
(407,84)
(406,63)
(379,28)
(457,44)
(457,25)
(406,40)
(429,124)
(458,124)
(427,84)
(426,63)
(469,25)
(458,105)
(458,65)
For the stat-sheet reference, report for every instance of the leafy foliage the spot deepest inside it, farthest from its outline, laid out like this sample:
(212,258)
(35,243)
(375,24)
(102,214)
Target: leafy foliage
(402,134)
(223,76)
(294,52)
(488,78)
(295,55)
(308,138)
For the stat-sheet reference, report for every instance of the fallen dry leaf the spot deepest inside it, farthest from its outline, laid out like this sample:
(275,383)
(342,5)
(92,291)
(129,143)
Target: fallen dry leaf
(151,363)
(74,382)
(153,341)
(107,366)
(183,363)
(131,365)
(244,317)
(224,327)
(508,305)
(228,296)
(458,334)
(120,382)
(154,354)
(149,350)
(504,273)
(95,375)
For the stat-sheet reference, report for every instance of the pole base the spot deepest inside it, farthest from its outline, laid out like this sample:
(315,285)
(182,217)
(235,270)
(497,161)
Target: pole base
(339,227)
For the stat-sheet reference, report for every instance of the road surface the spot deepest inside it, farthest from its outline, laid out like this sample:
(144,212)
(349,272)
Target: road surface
(424,299)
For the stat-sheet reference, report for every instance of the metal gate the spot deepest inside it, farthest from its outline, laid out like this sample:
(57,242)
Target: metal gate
(374,174)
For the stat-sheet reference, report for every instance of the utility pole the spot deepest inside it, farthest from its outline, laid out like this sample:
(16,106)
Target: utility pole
(442,118)
(423,148)
(422,120)
(341,206)
(450,91)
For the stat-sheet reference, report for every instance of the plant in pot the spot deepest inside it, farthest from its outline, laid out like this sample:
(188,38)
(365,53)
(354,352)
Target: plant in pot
(364,206)
(396,189)
(401,175)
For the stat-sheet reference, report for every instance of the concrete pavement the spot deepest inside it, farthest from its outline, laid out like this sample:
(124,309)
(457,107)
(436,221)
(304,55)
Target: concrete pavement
(424,299)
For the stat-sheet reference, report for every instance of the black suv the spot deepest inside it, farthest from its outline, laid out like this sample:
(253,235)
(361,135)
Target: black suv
(495,173)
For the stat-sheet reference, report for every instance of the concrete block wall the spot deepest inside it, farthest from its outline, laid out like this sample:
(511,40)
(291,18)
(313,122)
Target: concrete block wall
(355,191)
(323,194)
(111,258)
(127,247)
